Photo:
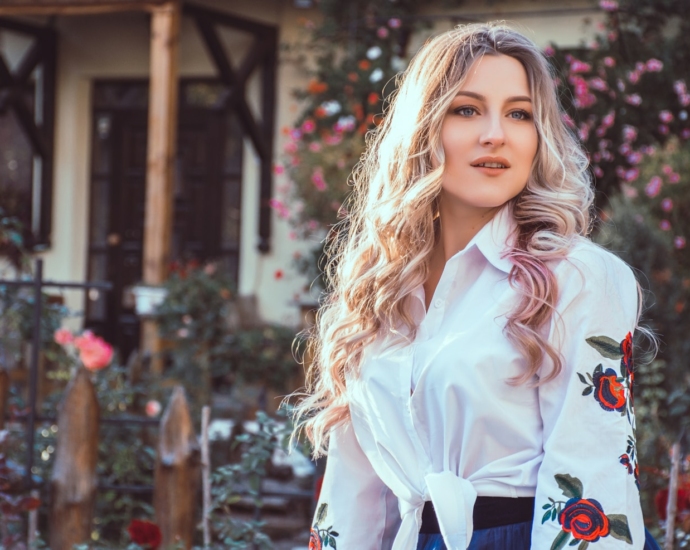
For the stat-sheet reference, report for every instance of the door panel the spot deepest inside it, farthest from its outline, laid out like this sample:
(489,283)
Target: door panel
(200,204)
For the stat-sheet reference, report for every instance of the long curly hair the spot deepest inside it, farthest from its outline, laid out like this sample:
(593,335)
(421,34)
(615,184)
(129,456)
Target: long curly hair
(380,252)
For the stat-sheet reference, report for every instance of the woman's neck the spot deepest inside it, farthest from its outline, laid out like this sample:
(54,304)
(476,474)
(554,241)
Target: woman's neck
(458,226)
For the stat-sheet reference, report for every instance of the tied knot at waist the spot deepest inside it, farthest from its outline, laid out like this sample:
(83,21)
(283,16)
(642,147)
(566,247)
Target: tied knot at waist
(453,498)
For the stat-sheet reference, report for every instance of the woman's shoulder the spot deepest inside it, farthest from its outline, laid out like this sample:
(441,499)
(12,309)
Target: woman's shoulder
(593,266)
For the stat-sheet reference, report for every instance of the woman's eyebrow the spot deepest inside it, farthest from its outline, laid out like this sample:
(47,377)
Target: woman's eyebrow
(512,99)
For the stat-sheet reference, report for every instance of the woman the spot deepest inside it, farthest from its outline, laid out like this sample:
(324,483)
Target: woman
(473,360)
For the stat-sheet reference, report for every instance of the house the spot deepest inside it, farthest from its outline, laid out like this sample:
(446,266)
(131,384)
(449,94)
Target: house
(134,132)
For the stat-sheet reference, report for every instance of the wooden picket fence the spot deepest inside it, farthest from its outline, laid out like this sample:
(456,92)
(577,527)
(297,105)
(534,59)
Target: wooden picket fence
(74,482)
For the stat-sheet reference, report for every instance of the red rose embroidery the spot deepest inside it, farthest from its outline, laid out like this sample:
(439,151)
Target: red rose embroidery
(314,540)
(585,519)
(627,351)
(145,533)
(608,391)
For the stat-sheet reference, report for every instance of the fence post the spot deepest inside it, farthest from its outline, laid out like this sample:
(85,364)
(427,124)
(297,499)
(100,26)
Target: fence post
(4,391)
(74,473)
(671,504)
(176,478)
(206,474)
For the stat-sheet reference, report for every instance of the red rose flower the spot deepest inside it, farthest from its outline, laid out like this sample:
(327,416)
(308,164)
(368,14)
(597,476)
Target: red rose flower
(608,391)
(145,533)
(682,501)
(585,519)
(314,540)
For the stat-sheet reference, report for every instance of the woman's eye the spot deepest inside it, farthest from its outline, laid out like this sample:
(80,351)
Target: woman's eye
(520,115)
(465,111)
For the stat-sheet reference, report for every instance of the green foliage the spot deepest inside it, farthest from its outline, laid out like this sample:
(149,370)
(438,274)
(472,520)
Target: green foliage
(16,323)
(12,244)
(234,481)
(197,317)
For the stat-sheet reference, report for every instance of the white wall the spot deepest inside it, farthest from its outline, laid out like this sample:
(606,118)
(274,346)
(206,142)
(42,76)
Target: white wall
(117,46)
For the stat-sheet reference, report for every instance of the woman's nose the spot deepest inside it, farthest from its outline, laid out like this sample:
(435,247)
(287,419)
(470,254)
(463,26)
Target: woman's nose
(493,133)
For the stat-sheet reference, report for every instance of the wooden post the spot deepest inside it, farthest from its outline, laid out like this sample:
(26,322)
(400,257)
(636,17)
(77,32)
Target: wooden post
(672,503)
(33,522)
(4,391)
(162,126)
(206,474)
(74,473)
(176,477)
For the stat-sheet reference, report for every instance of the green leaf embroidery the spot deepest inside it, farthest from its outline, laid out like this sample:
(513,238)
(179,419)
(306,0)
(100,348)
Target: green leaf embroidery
(574,542)
(333,543)
(571,486)
(546,516)
(583,545)
(553,514)
(588,390)
(560,540)
(323,511)
(618,524)
(606,346)
(334,533)
(582,378)
(598,368)
(546,506)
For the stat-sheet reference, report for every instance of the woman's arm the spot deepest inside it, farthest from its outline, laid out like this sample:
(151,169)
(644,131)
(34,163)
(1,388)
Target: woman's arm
(356,510)
(587,489)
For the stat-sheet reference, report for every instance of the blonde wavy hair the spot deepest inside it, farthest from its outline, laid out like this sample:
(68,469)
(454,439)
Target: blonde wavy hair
(381,250)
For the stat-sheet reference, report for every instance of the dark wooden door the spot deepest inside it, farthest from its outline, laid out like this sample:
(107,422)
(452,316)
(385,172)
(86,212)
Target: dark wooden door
(202,198)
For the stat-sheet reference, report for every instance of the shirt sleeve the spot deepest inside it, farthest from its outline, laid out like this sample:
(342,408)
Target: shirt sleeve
(587,488)
(356,510)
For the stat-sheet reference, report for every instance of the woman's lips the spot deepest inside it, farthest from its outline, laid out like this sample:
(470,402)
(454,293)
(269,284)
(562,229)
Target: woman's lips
(490,171)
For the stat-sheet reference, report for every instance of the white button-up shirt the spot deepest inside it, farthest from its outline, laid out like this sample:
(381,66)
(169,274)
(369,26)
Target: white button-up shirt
(436,418)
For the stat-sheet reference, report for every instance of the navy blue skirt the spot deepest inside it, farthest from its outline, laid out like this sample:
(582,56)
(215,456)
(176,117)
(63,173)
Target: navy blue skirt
(507,537)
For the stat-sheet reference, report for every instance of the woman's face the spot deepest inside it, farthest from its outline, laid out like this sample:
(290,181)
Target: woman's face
(488,136)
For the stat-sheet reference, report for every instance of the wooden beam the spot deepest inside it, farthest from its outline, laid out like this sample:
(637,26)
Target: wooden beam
(162,126)
(74,7)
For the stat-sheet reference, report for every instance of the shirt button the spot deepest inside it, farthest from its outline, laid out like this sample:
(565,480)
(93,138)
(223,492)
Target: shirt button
(438,303)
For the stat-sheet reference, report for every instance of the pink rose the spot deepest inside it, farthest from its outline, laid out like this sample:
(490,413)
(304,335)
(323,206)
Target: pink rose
(654,65)
(94,352)
(608,5)
(666,116)
(153,408)
(63,337)
(578,66)
(633,77)
(653,188)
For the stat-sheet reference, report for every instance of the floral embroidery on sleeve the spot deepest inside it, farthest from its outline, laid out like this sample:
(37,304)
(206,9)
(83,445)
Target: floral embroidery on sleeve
(581,518)
(614,392)
(322,538)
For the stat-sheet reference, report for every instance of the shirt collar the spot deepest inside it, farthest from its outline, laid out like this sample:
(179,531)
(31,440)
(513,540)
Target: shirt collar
(496,238)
